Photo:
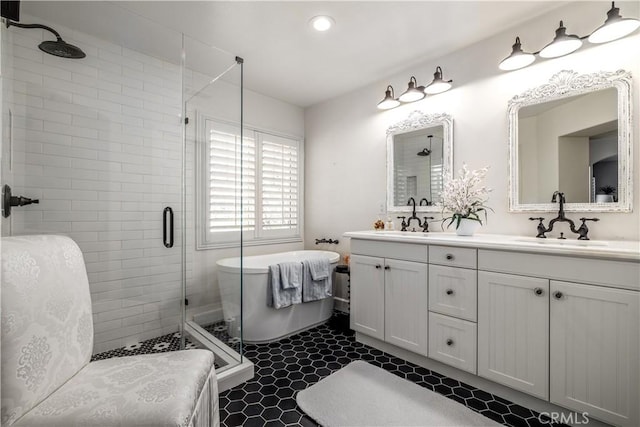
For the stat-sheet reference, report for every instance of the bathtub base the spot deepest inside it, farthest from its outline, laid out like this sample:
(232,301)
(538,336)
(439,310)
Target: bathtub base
(260,323)
(246,341)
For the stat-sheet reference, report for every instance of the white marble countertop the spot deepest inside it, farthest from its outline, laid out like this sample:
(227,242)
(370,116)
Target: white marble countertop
(610,249)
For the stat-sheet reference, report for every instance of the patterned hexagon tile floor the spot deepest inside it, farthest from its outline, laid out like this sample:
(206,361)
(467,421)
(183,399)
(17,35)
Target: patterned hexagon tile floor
(293,364)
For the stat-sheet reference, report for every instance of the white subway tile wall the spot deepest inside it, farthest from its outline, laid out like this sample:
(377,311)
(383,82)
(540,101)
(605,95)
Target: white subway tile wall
(98,141)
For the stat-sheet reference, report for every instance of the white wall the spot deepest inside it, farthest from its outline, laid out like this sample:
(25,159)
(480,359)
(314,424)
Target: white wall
(99,142)
(345,188)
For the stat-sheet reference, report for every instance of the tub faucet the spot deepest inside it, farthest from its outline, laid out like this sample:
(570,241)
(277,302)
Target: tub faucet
(426,202)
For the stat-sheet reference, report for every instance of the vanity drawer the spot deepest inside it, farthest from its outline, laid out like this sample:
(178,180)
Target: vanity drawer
(395,250)
(450,255)
(613,273)
(453,291)
(453,341)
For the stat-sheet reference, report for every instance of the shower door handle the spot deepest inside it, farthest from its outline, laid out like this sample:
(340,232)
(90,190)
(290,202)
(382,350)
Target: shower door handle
(167,227)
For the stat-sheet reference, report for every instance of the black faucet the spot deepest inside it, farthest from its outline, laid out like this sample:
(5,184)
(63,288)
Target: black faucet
(582,231)
(412,201)
(426,202)
(559,197)
(425,224)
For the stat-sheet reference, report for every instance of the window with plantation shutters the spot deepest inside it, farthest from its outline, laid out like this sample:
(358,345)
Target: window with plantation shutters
(279,185)
(266,167)
(226,177)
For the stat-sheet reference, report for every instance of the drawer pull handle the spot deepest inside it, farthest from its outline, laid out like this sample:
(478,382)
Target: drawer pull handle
(378,266)
(449,342)
(538,291)
(449,291)
(386,267)
(558,295)
(449,257)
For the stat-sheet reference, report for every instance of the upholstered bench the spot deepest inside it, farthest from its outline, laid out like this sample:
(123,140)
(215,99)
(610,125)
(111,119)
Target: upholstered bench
(47,341)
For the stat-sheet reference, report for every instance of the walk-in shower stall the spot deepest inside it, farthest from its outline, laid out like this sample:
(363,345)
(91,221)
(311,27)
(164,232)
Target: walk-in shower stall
(136,152)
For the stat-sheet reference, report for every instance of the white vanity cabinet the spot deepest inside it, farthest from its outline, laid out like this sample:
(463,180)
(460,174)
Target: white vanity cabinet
(389,300)
(513,331)
(594,360)
(367,295)
(557,321)
(453,289)
(574,344)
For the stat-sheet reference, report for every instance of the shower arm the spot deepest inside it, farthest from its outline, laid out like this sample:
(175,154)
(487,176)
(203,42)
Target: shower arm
(44,27)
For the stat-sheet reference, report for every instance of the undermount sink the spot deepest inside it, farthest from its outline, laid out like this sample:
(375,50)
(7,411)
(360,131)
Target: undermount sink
(563,242)
(402,233)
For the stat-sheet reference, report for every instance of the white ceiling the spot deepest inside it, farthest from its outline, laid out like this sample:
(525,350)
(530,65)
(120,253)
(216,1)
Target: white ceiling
(284,57)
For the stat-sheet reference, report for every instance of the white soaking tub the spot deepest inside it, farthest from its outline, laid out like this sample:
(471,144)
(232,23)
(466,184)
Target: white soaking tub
(261,323)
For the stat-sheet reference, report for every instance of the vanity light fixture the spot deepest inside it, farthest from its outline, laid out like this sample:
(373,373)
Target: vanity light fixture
(412,93)
(389,100)
(415,92)
(615,27)
(562,44)
(438,85)
(518,58)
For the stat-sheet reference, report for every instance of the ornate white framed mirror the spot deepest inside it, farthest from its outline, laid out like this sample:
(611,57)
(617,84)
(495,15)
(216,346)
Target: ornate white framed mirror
(572,134)
(419,161)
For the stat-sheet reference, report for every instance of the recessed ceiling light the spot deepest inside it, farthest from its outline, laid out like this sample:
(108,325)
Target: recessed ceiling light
(321,22)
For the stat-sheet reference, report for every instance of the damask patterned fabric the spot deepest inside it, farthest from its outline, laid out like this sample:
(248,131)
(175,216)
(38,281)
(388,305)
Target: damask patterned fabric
(147,390)
(47,340)
(47,326)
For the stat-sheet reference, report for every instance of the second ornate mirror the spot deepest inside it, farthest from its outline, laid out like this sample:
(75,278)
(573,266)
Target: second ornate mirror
(572,135)
(419,160)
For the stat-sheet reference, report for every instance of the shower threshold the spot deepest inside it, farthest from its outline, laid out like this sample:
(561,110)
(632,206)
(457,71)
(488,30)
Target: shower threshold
(234,370)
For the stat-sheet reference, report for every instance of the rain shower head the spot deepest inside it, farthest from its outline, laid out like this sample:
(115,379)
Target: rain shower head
(426,151)
(62,49)
(58,47)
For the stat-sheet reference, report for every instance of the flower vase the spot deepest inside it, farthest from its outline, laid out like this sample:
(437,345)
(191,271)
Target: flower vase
(467,227)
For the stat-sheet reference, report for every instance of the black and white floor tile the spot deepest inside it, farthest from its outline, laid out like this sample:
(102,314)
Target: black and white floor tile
(295,363)
(163,344)
(219,330)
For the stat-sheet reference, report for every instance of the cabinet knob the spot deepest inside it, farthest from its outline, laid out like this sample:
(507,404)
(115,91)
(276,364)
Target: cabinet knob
(378,266)
(557,295)
(449,291)
(449,342)
(538,291)
(386,267)
(449,257)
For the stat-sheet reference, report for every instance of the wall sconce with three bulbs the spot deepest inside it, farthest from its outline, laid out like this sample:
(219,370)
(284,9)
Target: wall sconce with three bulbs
(414,92)
(615,27)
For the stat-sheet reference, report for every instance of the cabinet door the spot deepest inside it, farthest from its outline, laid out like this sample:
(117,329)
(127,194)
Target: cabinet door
(406,307)
(594,351)
(513,331)
(367,295)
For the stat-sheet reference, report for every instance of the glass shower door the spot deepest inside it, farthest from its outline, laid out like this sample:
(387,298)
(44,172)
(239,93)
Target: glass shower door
(219,189)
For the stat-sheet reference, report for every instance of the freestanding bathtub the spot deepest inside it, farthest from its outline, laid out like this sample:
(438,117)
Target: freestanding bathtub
(261,323)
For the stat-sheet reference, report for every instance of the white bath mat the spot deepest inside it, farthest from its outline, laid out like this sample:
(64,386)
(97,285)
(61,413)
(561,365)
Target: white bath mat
(361,394)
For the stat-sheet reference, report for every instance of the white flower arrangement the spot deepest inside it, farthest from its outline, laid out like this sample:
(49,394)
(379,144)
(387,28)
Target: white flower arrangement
(464,197)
